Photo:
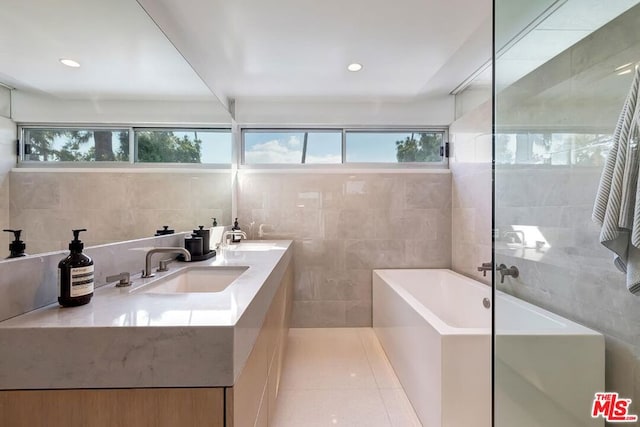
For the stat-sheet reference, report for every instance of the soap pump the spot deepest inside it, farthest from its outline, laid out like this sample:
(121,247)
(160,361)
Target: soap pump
(17,247)
(236,227)
(215,234)
(75,275)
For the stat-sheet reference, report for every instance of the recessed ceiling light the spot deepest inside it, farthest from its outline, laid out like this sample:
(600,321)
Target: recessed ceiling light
(354,67)
(69,63)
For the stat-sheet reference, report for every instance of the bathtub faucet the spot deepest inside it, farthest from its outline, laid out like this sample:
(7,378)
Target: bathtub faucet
(486,266)
(504,271)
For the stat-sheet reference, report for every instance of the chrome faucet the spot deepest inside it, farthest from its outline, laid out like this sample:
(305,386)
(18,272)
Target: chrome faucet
(234,233)
(147,262)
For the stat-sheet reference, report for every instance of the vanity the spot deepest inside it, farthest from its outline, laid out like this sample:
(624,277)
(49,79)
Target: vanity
(199,345)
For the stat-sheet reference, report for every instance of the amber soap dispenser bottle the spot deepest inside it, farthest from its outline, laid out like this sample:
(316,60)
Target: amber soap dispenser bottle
(75,275)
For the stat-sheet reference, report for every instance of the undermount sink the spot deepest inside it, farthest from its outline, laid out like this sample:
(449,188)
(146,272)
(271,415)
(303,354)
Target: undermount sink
(195,279)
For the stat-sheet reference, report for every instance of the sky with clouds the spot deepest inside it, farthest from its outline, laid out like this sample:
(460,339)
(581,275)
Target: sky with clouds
(322,146)
(286,147)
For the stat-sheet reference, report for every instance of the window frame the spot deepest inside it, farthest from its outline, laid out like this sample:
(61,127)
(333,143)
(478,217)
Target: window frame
(132,162)
(22,162)
(237,133)
(178,129)
(444,159)
(443,164)
(244,130)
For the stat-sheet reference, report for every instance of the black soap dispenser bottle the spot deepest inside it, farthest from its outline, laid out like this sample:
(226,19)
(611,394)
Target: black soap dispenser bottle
(236,227)
(17,247)
(75,275)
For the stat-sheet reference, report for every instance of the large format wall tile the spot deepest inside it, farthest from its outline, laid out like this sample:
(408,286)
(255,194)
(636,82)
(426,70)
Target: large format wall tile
(7,161)
(345,225)
(471,210)
(113,206)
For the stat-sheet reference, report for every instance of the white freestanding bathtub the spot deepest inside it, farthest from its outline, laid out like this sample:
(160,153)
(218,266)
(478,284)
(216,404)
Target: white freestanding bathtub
(547,368)
(437,335)
(436,332)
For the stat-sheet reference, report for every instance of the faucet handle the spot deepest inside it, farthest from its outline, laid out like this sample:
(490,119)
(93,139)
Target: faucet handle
(486,266)
(124,279)
(163,264)
(511,271)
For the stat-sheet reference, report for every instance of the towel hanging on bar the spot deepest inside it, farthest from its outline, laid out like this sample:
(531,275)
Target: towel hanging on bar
(617,204)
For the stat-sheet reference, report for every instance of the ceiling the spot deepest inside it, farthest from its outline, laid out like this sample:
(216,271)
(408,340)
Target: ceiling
(123,55)
(291,49)
(301,48)
(243,48)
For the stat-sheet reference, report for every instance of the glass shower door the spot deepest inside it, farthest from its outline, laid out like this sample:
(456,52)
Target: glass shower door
(566,328)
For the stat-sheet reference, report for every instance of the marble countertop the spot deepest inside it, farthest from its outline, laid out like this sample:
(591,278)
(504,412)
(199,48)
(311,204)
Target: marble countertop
(128,338)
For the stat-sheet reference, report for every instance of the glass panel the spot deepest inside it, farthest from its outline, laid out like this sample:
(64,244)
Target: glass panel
(292,147)
(552,148)
(76,145)
(5,102)
(393,147)
(183,146)
(562,73)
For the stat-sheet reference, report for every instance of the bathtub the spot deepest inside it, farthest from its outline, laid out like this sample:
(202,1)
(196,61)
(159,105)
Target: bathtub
(436,332)
(547,368)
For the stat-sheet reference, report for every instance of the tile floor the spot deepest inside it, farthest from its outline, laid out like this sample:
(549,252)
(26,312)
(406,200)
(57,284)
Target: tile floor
(340,376)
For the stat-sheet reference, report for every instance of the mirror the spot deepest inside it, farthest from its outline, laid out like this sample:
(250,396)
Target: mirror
(130,77)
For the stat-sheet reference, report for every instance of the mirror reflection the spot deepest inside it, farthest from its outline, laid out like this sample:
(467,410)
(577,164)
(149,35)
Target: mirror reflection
(117,133)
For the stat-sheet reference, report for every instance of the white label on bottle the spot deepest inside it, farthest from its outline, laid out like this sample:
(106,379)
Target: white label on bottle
(81,281)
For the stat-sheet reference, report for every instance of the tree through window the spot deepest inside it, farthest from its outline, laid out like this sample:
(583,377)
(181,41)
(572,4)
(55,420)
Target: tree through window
(151,145)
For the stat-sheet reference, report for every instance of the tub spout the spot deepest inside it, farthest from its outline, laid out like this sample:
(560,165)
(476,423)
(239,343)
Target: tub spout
(486,266)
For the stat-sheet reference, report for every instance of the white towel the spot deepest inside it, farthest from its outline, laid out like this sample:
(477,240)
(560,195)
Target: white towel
(617,205)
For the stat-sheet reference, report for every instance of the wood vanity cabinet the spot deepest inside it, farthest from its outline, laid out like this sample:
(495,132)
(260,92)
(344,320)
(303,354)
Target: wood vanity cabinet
(166,407)
(250,402)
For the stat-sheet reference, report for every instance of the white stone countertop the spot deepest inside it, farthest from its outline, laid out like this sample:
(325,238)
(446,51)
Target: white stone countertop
(128,338)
